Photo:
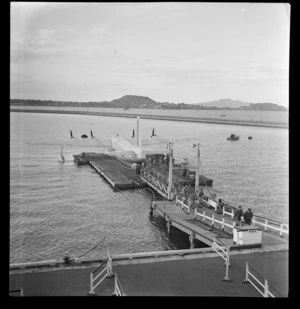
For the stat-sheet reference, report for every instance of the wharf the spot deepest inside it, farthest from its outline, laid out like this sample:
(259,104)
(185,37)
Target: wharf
(205,230)
(201,276)
(117,174)
(179,218)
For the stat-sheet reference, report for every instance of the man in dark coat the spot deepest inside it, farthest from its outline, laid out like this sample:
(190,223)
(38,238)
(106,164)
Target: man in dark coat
(248,215)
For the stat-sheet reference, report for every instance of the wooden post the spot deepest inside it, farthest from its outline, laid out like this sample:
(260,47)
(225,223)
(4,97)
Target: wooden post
(203,215)
(170,174)
(169,223)
(192,236)
(198,169)
(223,221)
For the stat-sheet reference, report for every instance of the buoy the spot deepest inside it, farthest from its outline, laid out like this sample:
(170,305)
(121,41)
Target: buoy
(249,137)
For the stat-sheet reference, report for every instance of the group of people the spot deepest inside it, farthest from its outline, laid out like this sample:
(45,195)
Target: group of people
(247,216)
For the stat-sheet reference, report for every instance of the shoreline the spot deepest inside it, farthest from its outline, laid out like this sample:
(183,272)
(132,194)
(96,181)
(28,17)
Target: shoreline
(159,117)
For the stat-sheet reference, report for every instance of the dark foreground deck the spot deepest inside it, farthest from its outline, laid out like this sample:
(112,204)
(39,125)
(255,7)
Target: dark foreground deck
(184,277)
(117,174)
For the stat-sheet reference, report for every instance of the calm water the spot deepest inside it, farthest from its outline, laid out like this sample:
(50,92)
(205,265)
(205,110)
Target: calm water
(60,209)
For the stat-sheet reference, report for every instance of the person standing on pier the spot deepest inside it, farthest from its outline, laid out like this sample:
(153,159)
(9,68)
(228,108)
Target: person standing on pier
(248,215)
(238,215)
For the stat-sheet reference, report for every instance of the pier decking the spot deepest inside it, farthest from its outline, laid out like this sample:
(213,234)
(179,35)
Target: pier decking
(175,216)
(117,174)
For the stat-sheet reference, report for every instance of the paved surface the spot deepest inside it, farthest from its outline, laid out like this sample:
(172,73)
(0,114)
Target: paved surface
(193,277)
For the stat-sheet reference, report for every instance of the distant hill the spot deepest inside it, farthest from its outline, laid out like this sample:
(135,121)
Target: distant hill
(135,101)
(224,103)
(264,106)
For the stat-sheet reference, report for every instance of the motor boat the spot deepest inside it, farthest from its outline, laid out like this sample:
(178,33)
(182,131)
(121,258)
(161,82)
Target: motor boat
(233,137)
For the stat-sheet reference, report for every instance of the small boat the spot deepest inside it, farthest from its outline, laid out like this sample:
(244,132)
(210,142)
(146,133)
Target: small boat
(233,137)
(84,136)
(249,137)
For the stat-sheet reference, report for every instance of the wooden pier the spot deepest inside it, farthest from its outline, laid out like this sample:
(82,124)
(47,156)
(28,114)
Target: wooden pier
(204,224)
(177,217)
(117,174)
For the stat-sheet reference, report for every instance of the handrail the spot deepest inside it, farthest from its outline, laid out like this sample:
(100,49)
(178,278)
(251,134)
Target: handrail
(224,256)
(265,285)
(100,265)
(102,275)
(118,290)
(267,224)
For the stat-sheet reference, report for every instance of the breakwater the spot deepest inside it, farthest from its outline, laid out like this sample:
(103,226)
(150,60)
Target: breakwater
(161,117)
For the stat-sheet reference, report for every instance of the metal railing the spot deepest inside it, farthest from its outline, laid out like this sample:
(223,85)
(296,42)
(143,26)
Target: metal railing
(118,290)
(154,181)
(224,254)
(262,285)
(105,273)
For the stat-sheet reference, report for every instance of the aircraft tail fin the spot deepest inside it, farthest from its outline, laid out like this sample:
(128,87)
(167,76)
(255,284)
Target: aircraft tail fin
(153,134)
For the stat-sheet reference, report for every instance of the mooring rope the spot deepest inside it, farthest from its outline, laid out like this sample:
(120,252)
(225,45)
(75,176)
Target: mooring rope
(101,241)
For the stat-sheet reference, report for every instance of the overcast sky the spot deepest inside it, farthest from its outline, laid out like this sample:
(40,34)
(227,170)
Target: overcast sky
(175,52)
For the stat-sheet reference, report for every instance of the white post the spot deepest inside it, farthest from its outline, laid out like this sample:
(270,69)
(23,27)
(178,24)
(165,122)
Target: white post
(91,284)
(266,223)
(203,216)
(198,170)
(232,213)
(281,229)
(223,221)
(223,210)
(195,215)
(170,173)
(266,292)
(213,220)
(247,270)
